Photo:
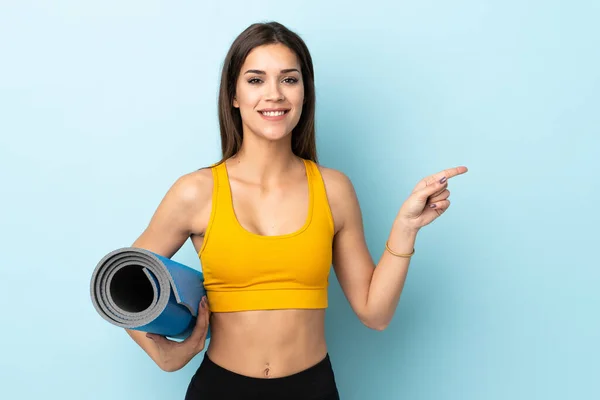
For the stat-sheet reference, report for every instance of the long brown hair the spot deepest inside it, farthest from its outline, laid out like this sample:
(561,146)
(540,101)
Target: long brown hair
(230,120)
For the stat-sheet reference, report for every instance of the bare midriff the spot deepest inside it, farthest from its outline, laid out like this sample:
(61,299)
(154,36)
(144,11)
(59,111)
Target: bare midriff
(267,343)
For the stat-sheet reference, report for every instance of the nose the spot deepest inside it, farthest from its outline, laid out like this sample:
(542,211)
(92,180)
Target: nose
(274,92)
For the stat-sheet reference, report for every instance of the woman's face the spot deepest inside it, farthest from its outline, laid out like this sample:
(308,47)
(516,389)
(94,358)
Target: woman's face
(270,92)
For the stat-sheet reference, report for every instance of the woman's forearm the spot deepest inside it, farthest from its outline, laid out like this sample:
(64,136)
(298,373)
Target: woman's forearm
(389,277)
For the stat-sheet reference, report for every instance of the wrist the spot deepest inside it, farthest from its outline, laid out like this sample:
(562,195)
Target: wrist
(404,228)
(402,238)
(191,349)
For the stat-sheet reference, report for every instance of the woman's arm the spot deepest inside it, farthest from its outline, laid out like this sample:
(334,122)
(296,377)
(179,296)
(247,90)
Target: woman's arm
(373,291)
(175,219)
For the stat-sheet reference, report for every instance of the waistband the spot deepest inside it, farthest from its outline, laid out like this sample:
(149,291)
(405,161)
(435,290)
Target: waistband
(315,380)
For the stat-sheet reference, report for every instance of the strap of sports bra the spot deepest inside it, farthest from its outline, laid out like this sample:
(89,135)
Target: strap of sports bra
(222,198)
(316,182)
(222,192)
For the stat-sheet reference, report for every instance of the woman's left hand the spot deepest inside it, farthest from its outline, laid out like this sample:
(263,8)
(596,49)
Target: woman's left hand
(428,200)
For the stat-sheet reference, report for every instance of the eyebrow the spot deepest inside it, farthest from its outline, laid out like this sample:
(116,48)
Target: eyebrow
(259,72)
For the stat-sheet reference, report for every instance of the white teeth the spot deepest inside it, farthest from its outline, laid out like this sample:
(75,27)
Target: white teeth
(273,113)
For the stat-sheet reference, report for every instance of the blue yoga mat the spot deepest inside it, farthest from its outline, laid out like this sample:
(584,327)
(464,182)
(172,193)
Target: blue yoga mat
(137,289)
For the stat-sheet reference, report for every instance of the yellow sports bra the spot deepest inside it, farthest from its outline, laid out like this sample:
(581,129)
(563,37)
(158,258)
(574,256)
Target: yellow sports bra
(246,271)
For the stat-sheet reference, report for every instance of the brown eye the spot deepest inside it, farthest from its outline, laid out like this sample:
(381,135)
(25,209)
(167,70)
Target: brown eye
(254,81)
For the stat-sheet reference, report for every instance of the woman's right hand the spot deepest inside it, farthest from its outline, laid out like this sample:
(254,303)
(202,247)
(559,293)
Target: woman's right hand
(173,355)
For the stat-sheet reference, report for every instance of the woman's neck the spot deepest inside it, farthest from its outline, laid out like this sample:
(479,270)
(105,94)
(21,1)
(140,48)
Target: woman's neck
(263,161)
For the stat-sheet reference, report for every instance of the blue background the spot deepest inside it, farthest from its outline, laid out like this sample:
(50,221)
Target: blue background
(103,104)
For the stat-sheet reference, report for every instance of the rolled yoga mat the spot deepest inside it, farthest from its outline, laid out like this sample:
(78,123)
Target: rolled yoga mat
(137,289)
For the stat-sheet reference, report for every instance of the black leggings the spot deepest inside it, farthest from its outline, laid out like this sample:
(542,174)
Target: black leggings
(212,381)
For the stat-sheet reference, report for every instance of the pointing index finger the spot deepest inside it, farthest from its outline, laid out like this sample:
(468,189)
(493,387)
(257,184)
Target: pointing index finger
(448,173)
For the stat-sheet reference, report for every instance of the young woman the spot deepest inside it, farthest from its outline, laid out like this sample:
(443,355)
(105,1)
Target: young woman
(268,222)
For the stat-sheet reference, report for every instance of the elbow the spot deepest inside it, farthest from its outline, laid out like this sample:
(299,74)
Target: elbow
(374,317)
(374,324)
(377,327)
(167,368)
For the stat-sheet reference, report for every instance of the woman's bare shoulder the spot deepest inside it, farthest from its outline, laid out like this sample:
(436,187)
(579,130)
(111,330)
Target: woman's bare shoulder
(336,182)
(182,212)
(340,194)
(194,188)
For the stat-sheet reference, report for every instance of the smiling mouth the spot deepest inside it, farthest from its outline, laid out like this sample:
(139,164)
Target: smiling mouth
(278,113)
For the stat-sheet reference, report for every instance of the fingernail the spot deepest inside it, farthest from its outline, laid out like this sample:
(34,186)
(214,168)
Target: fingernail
(433,205)
(443,180)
